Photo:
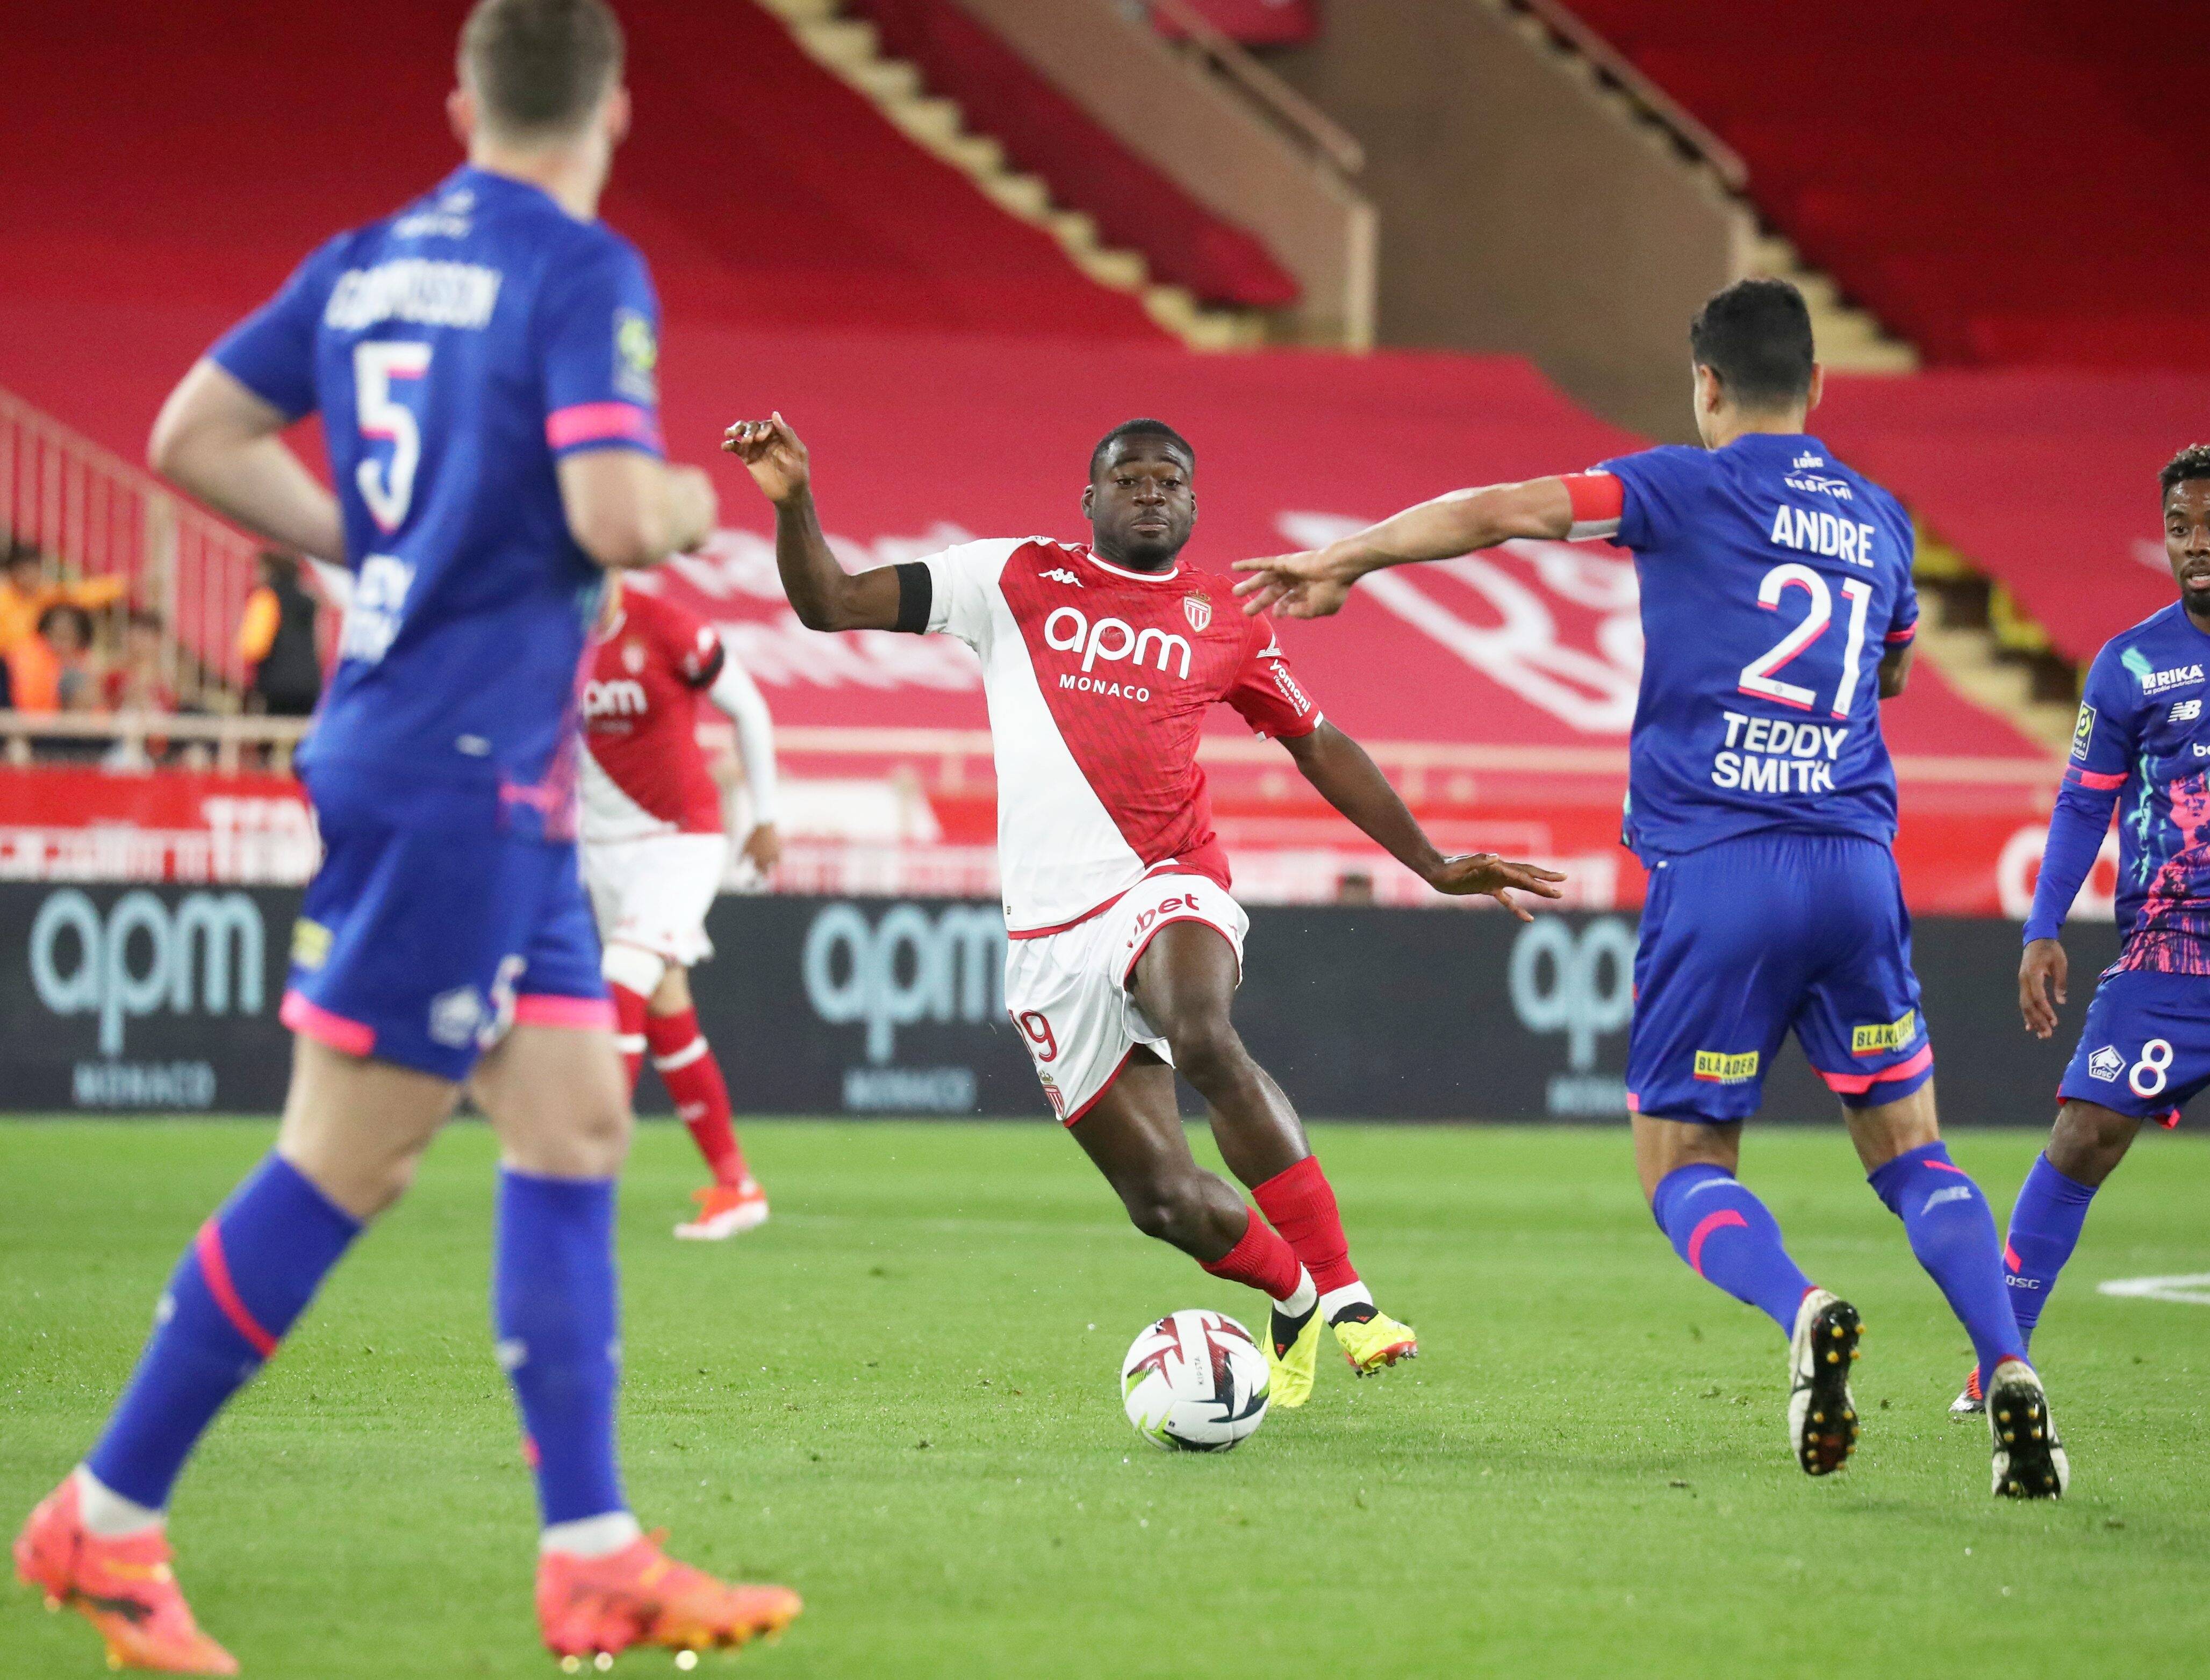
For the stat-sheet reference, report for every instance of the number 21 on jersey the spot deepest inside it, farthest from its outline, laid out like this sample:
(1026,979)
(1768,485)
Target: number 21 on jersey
(1760,677)
(387,485)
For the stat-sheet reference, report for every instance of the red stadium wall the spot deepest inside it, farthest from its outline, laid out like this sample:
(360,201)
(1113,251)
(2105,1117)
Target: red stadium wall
(2001,180)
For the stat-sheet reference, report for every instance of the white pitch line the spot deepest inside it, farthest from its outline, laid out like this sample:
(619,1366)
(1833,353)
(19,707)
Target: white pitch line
(2192,1289)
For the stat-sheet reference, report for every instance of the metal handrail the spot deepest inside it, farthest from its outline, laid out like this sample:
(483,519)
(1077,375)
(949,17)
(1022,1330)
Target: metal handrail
(1305,122)
(891,741)
(1660,107)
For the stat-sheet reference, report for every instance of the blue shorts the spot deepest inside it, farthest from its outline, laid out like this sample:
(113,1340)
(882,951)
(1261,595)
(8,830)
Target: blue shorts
(431,927)
(1748,939)
(2145,1046)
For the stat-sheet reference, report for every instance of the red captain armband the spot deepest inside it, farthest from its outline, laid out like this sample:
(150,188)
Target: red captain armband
(1599,503)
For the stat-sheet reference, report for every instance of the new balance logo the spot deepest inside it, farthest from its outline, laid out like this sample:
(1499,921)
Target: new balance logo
(2184,711)
(1061,575)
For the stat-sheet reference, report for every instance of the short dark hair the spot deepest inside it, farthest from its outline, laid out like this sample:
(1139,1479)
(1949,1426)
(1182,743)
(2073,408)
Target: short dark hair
(75,614)
(1139,428)
(540,67)
(2193,462)
(1756,336)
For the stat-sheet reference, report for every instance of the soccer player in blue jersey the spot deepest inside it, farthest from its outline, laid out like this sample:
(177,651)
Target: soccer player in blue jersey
(2142,745)
(1777,613)
(482,362)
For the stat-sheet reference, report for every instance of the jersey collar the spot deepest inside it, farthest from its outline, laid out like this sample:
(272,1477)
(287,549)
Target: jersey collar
(1103,564)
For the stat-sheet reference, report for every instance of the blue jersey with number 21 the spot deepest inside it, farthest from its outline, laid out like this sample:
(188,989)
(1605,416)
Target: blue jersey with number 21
(454,352)
(1773,579)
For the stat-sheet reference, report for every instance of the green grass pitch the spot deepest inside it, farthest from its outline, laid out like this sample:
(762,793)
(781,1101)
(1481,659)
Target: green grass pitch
(900,1397)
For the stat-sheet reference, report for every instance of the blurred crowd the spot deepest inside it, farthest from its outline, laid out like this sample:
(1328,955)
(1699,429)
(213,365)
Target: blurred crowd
(77,645)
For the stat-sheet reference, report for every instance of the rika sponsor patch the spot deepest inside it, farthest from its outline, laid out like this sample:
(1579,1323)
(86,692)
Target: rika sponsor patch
(1725,1068)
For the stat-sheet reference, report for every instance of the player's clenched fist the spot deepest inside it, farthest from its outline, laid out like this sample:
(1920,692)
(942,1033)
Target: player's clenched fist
(2041,972)
(1308,585)
(772,453)
(1474,874)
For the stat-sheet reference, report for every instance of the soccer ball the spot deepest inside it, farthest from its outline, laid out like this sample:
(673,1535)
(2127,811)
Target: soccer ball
(1194,1382)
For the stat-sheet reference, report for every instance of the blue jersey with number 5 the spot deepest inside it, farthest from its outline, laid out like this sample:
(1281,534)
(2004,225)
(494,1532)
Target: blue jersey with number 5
(1774,579)
(455,351)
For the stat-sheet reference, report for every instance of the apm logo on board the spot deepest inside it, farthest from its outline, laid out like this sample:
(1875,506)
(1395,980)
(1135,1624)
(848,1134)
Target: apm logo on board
(204,954)
(907,969)
(1580,983)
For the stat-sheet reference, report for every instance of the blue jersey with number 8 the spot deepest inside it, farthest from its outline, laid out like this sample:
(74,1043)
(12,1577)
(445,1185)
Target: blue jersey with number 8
(1774,579)
(455,351)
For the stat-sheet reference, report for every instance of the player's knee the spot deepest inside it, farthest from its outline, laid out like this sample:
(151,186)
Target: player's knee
(1169,1209)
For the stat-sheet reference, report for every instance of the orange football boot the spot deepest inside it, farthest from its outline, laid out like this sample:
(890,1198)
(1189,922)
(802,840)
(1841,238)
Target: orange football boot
(589,1607)
(122,1586)
(724,1210)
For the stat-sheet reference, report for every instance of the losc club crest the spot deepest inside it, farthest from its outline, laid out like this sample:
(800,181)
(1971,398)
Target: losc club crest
(1197,607)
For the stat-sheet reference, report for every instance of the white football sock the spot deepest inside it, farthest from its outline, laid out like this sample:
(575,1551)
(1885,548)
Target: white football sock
(1350,1294)
(107,1513)
(590,1537)
(1300,1299)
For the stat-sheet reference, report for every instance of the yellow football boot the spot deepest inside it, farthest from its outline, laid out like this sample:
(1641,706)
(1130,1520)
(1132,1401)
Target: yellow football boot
(1290,1364)
(1374,1343)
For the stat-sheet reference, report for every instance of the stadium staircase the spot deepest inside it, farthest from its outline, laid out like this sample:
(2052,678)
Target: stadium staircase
(850,47)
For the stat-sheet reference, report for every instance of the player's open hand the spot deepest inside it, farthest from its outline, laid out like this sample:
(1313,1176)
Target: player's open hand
(762,849)
(773,455)
(1308,585)
(2041,973)
(1484,874)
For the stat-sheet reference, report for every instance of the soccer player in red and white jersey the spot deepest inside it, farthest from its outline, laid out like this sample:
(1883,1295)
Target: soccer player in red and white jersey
(654,852)
(1099,664)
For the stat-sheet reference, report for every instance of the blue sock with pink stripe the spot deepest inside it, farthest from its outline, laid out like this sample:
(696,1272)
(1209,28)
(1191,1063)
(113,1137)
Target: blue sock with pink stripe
(2044,1228)
(1728,1238)
(246,1278)
(1953,1232)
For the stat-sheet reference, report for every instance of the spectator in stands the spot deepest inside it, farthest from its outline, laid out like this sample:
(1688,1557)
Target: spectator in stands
(27,593)
(53,671)
(277,640)
(137,683)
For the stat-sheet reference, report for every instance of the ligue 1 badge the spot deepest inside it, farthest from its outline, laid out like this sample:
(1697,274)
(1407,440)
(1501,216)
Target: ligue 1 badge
(1197,607)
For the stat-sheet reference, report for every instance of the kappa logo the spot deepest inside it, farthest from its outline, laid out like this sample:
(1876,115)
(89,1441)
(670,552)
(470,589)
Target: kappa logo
(2183,712)
(1198,609)
(1060,574)
(2106,1064)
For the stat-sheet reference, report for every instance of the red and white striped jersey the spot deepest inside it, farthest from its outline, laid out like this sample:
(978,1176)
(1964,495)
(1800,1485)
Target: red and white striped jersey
(1097,680)
(645,772)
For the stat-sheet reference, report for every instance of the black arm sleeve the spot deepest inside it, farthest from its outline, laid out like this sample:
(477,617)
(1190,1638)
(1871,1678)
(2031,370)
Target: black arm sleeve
(916,595)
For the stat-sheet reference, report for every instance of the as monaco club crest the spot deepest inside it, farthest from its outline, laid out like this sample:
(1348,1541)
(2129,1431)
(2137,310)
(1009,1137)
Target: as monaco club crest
(633,657)
(1198,609)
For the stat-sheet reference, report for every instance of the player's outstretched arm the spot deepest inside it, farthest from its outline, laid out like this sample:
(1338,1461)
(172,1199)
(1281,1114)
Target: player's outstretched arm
(822,593)
(219,440)
(1895,670)
(1353,784)
(1316,583)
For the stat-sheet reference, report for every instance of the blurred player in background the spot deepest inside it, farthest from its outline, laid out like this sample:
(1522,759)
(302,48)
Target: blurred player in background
(655,854)
(2142,745)
(1099,665)
(1778,612)
(482,364)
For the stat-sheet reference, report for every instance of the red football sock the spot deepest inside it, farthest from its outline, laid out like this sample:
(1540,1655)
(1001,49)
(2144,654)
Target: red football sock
(686,1064)
(1261,1259)
(629,1027)
(1301,1203)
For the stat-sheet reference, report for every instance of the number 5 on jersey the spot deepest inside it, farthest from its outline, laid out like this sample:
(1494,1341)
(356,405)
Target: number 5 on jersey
(1757,676)
(388,486)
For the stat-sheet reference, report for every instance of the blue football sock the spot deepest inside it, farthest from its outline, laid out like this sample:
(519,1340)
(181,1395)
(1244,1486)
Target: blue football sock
(1953,1232)
(1727,1236)
(2044,1228)
(554,1304)
(247,1276)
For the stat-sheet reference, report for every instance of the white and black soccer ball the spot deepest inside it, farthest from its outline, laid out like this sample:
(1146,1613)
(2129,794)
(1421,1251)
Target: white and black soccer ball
(1194,1382)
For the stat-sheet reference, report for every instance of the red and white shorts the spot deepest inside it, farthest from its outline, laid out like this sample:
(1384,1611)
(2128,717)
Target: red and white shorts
(1068,992)
(653,891)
